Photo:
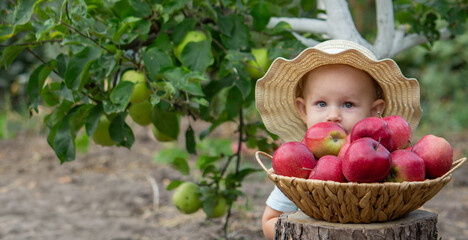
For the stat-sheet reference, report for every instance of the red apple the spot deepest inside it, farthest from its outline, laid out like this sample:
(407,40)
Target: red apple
(400,131)
(436,153)
(375,128)
(344,147)
(328,168)
(366,161)
(293,159)
(406,166)
(325,138)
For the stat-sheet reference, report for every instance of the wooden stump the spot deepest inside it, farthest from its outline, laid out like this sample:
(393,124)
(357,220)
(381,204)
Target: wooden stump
(418,224)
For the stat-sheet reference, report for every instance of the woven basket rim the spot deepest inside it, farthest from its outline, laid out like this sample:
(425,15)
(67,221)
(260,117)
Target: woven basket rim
(290,179)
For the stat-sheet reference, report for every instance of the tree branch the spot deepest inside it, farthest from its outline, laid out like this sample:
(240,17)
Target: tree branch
(341,24)
(385,28)
(306,41)
(301,24)
(414,39)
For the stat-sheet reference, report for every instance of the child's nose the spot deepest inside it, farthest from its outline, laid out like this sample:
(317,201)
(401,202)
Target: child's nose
(334,115)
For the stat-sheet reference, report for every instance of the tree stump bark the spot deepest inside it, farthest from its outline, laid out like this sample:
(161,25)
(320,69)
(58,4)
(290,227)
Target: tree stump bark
(418,224)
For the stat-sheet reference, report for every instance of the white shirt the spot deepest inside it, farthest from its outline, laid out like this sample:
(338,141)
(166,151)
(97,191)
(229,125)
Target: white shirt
(279,202)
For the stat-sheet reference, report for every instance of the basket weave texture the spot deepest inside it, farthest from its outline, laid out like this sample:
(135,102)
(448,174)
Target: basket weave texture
(357,202)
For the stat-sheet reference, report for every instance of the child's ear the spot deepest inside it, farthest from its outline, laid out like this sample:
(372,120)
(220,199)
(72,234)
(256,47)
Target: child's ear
(301,108)
(377,107)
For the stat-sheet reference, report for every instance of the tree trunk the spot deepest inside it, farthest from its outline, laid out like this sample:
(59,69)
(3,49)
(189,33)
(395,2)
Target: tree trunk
(418,224)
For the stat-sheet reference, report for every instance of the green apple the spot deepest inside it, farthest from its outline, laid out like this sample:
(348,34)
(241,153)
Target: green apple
(140,91)
(161,137)
(191,36)
(101,136)
(220,209)
(141,112)
(261,61)
(186,198)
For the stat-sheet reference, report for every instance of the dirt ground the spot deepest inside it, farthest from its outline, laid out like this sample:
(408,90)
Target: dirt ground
(107,194)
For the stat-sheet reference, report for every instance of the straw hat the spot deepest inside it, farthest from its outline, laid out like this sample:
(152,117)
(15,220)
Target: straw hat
(276,90)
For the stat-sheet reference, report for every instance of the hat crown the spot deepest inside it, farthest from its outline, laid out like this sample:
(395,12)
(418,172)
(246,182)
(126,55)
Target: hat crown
(338,46)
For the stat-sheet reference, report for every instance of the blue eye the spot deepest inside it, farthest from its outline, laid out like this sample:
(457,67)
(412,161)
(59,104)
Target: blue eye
(321,104)
(348,105)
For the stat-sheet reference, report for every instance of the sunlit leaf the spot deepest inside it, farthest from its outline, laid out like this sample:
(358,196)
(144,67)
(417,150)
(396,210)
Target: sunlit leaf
(197,56)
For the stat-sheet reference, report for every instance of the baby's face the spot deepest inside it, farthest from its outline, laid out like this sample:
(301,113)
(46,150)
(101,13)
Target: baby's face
(340,94)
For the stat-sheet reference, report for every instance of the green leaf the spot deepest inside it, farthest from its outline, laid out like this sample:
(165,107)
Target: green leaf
(204,161)
(197,56)
(225,24)
(141,7)
(166,155)
(261,15)
(215,147)
(35,84)
(9,54)
(243,82)
(174,184)
(234,102)
(120,132)
(7,32)
(190,141)
(62,139)
(240,176)
(62,61)
(92,120)
(66,93)
(163,42)
(238,37)
(165,121)
(24,11)
(125,27)
(57,115)
(184,80)
(171,6)
(155,60)
(45,28)
(121,94)
(181,165)
(49,96)
(181,29)
(78,65)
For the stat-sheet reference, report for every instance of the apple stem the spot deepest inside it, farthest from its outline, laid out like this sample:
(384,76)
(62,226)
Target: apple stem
(304,168)
(378,143)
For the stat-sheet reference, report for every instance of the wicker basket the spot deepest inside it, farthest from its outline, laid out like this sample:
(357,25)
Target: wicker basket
(357,202)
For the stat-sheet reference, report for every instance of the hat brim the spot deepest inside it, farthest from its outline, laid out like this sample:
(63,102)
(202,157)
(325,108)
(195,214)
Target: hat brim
(275,92)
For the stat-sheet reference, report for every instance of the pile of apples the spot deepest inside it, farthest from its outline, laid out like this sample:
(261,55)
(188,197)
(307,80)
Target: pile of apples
(376,150)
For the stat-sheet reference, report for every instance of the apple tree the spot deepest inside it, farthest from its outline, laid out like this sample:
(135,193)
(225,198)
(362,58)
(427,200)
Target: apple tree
(157,61)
